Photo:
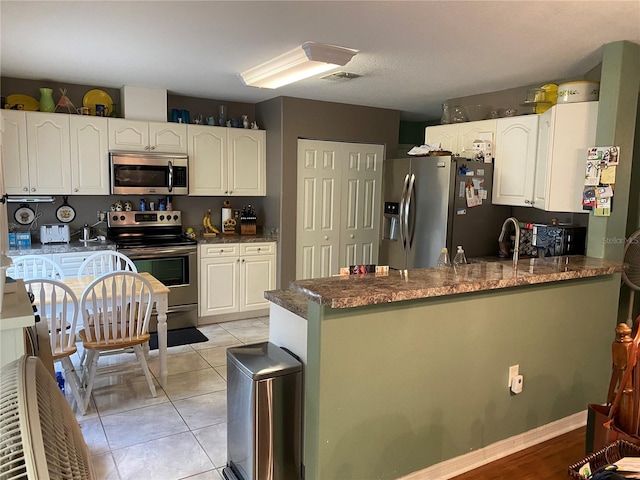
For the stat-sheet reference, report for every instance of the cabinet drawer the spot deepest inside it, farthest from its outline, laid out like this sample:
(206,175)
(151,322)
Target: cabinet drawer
(213,250)
(257,248)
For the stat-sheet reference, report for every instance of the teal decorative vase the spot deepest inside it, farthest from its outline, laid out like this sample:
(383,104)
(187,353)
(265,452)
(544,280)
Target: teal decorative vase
(46,100)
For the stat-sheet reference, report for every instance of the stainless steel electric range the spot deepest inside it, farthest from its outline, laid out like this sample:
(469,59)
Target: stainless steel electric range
(156,244)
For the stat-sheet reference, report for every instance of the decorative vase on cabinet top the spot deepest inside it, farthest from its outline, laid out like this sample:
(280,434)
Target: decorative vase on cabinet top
(46,100)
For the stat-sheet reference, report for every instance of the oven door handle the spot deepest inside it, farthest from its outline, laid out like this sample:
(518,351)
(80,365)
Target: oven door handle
(149,252)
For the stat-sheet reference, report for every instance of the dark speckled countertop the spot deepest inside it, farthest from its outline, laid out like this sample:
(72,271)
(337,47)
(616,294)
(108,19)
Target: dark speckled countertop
(359,290)
(74,246)
(223,238)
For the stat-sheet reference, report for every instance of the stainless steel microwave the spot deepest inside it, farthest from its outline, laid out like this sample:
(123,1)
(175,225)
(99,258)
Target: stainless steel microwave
(149,173)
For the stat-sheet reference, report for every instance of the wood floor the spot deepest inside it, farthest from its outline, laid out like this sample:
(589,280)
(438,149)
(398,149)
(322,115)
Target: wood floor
(546,461)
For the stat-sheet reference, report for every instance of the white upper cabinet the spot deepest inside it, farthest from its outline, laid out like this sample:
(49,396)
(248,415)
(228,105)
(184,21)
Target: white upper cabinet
(49,153)
(14,152)
(141,136)
(540,159)
(89,155)
(565,133)
(52,153)
(247,163)
(445,135)
(515,160)
(468,132)
(226,161)
(458,137)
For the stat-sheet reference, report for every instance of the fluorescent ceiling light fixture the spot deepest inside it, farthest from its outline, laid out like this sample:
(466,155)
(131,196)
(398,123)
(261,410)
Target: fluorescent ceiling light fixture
(304,61)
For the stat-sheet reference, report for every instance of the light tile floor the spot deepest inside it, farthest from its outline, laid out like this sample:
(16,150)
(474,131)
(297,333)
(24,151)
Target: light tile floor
(180,434)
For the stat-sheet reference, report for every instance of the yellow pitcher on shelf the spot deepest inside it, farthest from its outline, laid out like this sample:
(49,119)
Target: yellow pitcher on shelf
(550,97)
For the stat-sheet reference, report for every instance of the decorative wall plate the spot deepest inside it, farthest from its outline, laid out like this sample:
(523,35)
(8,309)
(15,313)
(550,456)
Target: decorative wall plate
(29,103)
(24,215)
(65,212)
(96,96)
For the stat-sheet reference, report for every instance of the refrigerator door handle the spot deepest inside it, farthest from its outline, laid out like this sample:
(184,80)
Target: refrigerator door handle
(403,200)
(409,226)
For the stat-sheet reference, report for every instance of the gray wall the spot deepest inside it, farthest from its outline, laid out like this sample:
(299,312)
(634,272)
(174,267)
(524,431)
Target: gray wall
(86,207)
(288,119)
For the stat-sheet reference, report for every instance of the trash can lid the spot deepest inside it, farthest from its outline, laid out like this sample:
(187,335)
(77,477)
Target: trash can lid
(263,360)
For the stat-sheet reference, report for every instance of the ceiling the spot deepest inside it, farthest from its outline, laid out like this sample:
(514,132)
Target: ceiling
(412,55)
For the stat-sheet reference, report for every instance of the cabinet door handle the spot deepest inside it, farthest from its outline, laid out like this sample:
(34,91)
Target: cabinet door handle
(25,189)
(528,202)
(243,260)
(351,235)
(153,147)
(33,189)
(75,189)
(146,147)
(326,237)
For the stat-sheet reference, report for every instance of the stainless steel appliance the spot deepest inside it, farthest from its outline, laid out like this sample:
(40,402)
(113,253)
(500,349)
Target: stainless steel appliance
(430,203)
(264,413)
(56,233)
(155,243)
(552,240)
(149,173)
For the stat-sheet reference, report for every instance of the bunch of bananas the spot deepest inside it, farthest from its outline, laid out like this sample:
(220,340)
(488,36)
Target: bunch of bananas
(206,223)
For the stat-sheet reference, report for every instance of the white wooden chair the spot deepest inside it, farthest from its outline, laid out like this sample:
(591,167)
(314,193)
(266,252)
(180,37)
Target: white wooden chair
(58,306)
(35,266)
(116,309)
(105,262)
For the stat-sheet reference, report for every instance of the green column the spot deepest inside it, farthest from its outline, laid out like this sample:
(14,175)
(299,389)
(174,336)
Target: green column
(617,114)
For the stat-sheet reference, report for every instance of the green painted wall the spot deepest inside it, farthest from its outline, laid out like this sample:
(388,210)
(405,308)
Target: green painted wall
(395,388)
(617,125)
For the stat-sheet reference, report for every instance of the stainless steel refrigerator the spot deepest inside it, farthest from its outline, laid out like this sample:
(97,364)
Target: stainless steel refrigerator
(435,202)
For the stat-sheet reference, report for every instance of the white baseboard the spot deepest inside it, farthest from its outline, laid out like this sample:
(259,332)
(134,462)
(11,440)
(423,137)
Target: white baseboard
(495,451)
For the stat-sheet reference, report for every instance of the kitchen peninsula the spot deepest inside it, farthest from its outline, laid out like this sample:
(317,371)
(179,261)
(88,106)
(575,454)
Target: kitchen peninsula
(405,371)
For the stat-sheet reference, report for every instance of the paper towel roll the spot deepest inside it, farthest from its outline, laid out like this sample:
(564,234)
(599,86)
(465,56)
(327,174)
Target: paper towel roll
(226,214)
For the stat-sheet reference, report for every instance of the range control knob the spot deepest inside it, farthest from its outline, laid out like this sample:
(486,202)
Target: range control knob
(122,217)
(161,217)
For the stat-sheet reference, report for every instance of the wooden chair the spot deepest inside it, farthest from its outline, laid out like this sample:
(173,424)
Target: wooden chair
(105,262)
(35,266)
(116,309)
(58,306)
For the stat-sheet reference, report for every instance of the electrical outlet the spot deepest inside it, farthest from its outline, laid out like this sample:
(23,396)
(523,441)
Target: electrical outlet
(513,372)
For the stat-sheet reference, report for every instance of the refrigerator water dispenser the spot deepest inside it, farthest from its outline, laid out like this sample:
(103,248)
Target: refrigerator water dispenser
(391,221)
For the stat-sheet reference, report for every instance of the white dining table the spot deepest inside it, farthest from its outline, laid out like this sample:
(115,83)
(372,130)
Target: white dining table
(161,300)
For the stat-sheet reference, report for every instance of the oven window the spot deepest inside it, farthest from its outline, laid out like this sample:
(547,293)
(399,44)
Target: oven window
(170,271)
(140,175)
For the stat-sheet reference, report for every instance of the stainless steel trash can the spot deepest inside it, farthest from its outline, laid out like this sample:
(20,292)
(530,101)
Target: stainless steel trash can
(264,399)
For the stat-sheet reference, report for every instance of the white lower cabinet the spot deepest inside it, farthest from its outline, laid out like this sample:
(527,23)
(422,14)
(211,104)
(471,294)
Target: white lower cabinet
(70,262)
(234,277)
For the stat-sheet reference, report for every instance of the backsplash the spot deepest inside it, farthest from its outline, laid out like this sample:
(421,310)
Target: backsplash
(87,208)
